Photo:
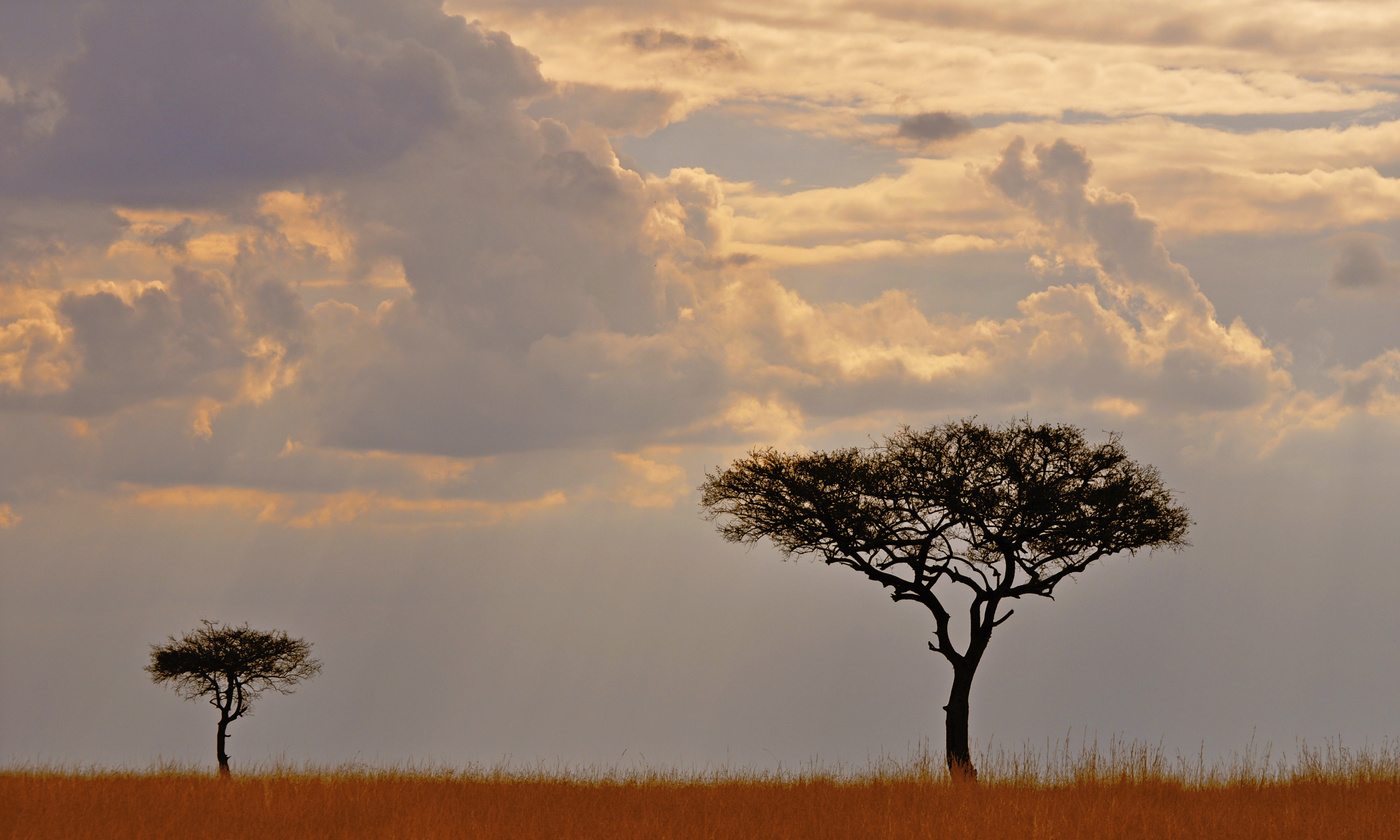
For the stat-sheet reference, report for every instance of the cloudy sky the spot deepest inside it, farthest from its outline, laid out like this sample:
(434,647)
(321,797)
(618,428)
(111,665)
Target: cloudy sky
(411,329)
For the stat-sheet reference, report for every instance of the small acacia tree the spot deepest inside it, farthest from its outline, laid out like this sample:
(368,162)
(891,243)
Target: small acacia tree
(231,666)
(960,518)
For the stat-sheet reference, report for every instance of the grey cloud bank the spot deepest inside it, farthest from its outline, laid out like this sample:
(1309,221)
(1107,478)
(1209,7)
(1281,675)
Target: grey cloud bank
(171,104)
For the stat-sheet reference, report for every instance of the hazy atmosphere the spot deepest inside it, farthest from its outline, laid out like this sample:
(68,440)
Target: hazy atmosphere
(412,329)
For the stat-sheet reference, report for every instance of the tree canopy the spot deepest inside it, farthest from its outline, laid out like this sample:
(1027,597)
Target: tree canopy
(232,666)
(960,514)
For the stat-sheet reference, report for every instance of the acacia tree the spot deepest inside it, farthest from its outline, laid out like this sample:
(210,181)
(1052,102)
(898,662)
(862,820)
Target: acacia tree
(231,666)
(961,518)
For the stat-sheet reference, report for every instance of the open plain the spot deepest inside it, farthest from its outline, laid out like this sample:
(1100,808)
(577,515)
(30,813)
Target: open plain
(1129,793)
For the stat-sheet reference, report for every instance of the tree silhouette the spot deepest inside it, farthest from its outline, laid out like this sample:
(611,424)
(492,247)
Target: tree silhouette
(231,666)
(960,517)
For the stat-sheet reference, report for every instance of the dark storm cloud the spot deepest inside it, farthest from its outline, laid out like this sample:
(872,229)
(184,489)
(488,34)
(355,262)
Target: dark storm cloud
(1361,263)
(179,102)
(37,37)
(935,125)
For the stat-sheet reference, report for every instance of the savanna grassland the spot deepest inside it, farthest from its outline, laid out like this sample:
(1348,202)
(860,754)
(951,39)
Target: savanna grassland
(1129,793)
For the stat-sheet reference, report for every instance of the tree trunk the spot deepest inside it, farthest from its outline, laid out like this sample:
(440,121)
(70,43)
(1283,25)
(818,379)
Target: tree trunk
(224,772)
(956,725)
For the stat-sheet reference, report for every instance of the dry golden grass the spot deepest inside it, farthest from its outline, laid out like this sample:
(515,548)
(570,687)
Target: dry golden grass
(1130,792)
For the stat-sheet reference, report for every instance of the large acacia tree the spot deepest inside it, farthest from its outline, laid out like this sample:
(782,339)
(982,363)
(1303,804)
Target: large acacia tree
(962,518)
(231,666)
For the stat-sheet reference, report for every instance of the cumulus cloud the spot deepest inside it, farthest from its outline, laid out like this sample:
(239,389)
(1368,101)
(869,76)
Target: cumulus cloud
(1198,181)
(530,256)
(1166,328)
(192,335)
(486,279)
(1053,182)
(154,306)
(1375,382)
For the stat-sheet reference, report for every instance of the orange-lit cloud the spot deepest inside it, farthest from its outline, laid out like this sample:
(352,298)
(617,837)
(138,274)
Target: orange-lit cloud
(8,517)
(649,480)
(310,511)
(1006,57)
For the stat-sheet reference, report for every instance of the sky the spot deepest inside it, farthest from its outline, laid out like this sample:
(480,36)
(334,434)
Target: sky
(411,328)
